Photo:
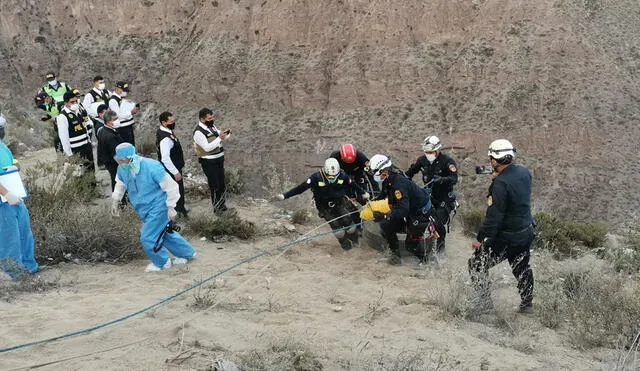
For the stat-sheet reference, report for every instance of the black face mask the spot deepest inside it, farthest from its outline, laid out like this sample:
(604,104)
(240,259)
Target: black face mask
(171,126)
(209,123)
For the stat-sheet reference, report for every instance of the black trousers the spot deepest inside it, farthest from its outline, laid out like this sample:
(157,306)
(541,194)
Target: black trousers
(517,251)
(126,133)
(180,204)
(441,213)
(214,171)
(86,153)
(338,210)
(389,229)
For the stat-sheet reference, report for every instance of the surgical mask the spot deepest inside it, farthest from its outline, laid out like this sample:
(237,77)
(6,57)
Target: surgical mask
(124,94)
(127,167)
(332,180)
(377,178)
(430,157)
(53,82)
(74,107)
(101,86)
(171,126)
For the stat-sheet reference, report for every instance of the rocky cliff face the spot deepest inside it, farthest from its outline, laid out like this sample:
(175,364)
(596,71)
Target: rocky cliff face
(295,78)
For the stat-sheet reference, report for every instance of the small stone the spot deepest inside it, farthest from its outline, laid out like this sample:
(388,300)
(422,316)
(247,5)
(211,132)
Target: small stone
(290,227)
(203,238)
(337,309)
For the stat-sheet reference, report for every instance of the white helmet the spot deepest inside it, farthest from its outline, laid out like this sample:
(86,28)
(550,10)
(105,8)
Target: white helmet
(431,144)
(379,162)
(502,149)
(331,168)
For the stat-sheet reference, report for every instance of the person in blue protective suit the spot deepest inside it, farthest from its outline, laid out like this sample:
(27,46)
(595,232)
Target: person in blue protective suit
(153,194)
(16,244)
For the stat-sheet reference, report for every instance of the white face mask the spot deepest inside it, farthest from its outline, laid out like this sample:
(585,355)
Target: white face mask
(377,178)
(124,94)
(430,157)
(74,107)
(53,82)
(101,86)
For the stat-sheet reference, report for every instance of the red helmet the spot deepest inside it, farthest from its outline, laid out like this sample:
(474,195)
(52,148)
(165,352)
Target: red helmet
(348,153)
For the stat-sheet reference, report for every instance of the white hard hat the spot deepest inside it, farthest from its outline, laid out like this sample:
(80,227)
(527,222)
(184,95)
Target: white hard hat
(379,162)
(502,149)
(431,144)
(331,167)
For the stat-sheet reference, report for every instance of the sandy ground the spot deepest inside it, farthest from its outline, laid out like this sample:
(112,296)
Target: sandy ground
(350,310)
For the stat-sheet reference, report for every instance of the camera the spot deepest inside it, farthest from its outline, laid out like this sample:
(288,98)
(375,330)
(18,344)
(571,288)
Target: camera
(484,169)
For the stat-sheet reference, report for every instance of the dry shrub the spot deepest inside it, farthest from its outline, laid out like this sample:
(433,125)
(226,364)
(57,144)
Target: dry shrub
(228,223)
(32,283)
(67,226)
(452,295)
(301,216)
(282,353)
(598,306)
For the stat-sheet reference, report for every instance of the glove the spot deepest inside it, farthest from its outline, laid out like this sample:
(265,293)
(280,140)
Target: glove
(13,199)
(115,208)
(366,196)
(280,197)
(379,217)
(172,213)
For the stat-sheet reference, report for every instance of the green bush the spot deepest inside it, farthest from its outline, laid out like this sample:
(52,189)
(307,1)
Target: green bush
(626,258)
(68,226)
(234,181)
(472,219)
(228,223)
(564,237)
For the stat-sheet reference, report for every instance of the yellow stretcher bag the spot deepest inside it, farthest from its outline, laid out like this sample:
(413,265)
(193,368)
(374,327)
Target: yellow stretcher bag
(366,213)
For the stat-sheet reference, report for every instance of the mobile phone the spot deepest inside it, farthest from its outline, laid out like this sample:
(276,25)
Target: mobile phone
(227,132)
(484,169)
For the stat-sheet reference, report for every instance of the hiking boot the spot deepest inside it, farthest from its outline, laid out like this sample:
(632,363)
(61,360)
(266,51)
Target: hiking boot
(525,308)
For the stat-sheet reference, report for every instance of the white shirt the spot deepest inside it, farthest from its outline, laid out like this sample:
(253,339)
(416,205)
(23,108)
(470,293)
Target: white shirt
(202,141)
(166,144)
(123,115)
(3,121)
(88,98)
(63,133)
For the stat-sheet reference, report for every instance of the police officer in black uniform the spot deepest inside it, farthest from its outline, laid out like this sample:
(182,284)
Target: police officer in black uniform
(354,162)
(72,131)
(507,232)
(441,170)
(330,187)
(408,203)
(171,155)
(108,140)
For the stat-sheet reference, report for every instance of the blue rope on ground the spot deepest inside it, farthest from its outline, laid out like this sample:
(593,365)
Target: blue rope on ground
(166,300)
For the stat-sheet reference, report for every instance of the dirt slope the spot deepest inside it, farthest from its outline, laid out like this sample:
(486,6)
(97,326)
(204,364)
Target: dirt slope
(558,77)
(339,310)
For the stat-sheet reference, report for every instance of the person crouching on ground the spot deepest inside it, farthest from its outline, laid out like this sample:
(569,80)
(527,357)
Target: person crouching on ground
(153,194)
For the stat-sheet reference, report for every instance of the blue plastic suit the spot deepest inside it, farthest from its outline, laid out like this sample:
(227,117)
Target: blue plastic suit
(16,239)
(143,178)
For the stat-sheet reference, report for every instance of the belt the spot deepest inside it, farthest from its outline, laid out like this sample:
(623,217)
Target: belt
(520,231)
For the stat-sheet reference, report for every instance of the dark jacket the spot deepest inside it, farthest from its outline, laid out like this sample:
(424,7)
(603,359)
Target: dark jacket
(443,167)
(355,169)
(325,192)
(509,204)
(405,197)
(108,140)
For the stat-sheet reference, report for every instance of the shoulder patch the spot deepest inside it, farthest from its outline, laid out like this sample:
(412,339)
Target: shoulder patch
(309,181)
(398,194)
(489,200)
(453,168)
